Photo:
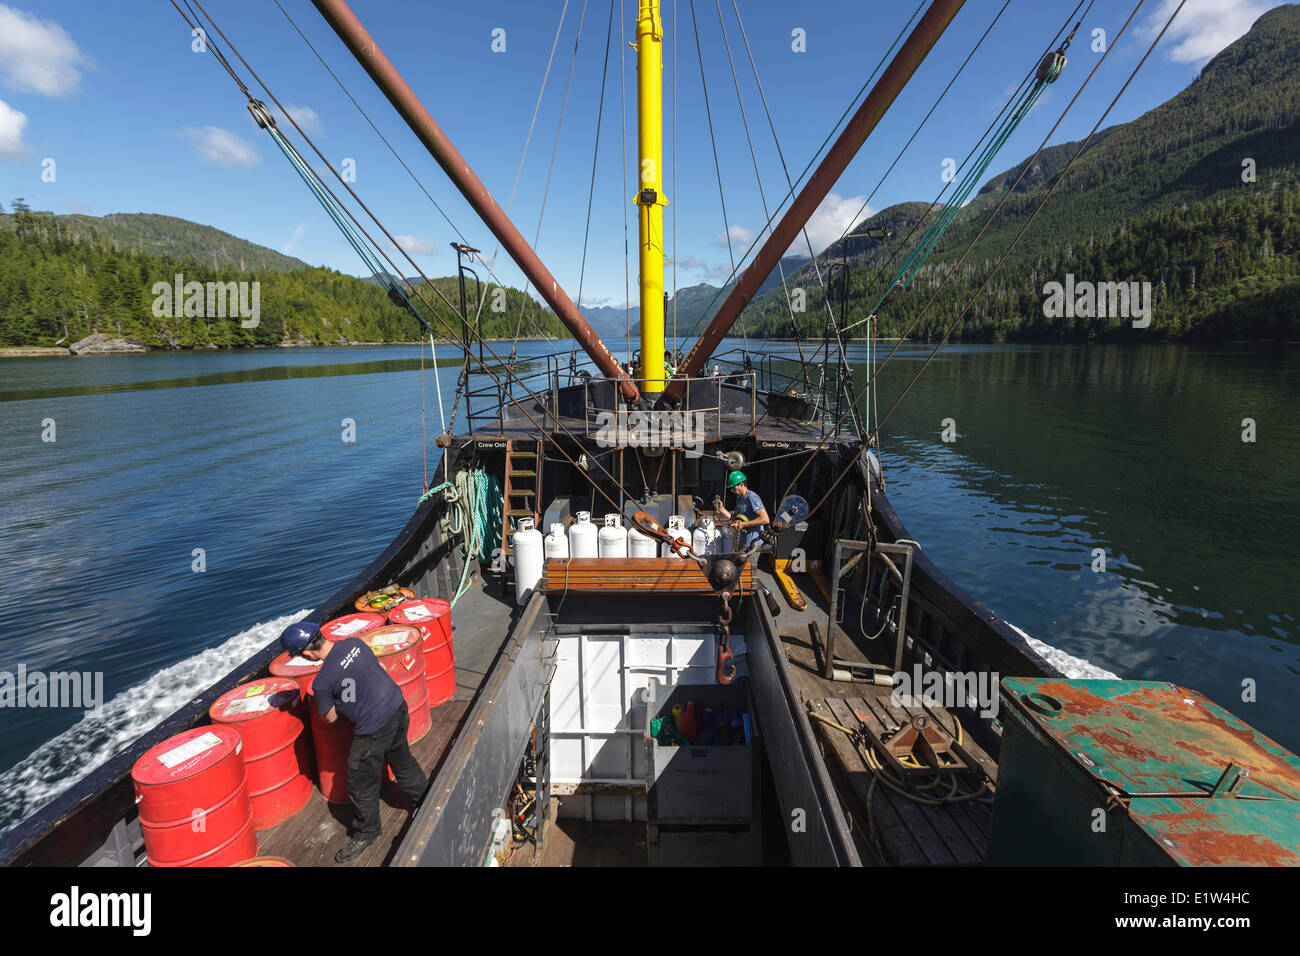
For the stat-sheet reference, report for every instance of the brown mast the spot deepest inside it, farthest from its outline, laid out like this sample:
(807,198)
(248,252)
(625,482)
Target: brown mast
(914,50)
(408,105)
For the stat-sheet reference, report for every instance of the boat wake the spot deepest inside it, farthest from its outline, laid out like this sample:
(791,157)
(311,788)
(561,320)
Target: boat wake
(59,763)
(1075,668)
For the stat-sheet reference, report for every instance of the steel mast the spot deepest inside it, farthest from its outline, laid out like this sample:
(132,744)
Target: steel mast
(650,198)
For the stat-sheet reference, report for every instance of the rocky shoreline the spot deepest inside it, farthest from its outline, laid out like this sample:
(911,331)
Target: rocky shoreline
(103,344)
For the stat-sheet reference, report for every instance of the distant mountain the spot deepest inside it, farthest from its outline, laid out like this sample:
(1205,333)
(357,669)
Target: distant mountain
(1198,196)
(157,235)
(693,303)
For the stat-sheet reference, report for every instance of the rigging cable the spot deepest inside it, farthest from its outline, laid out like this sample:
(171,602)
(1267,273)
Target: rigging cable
(523,409)
(708,311)
(414,178)
(1010,191)
(550,170)
(758,177)
(595,151)
(708,114)
(874,435)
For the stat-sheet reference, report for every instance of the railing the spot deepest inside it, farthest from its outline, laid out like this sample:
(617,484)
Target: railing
(529,381)
(826,388)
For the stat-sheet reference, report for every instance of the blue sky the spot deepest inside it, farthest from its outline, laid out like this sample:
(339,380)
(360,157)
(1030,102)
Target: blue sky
(136,121)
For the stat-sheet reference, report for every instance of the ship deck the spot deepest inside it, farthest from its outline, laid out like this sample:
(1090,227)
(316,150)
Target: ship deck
(890,829)
(481,621)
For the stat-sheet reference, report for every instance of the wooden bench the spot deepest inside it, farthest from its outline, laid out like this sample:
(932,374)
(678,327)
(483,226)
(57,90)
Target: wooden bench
(632,575)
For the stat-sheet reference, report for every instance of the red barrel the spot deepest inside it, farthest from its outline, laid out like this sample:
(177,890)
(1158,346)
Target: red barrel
(191,792)
(398,648)
(351,625)
(299,668)
(332,743)
(277,755)
(433,617)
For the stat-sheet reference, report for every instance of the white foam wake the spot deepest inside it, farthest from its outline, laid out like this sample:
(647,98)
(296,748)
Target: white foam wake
(61,762)
(1076,668)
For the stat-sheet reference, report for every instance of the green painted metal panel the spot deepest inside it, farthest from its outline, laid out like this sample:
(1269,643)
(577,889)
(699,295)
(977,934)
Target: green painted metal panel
(1138,772)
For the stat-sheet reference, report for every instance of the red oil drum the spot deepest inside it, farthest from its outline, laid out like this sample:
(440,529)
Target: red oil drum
(191,792)
(264,861)
(433,617)
(299,668)
(398,648)
(332,743)
(277,748)
(351,625)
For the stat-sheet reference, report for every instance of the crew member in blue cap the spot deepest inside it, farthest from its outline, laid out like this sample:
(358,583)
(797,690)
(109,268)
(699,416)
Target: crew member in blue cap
(351,684)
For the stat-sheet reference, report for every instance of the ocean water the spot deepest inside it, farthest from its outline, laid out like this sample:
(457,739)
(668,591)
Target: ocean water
(192,504)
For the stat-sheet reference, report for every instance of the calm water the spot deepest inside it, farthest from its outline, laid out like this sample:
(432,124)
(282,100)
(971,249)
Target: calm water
(1058,451)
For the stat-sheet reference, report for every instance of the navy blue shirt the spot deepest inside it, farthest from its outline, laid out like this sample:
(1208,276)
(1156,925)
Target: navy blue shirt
(749,504)
(352,679)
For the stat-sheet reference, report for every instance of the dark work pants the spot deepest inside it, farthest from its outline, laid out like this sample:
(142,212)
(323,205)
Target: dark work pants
(366,762)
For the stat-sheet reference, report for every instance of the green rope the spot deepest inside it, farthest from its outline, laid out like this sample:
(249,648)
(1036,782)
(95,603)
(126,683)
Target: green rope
(475,515)
(923,249)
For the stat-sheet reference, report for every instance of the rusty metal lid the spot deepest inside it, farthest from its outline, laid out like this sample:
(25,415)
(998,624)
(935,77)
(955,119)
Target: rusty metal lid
(1202,783)
(1153,736)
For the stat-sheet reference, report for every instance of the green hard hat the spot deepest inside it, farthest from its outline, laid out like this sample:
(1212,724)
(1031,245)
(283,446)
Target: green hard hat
(735,478)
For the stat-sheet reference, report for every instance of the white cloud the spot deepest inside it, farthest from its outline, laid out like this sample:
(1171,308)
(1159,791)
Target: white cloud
(289,246)
(1203,28)
(221,147)
(711,273)
(12,123)
(305,116)
(38,56)
(835,214)
(736,236)
(416,245)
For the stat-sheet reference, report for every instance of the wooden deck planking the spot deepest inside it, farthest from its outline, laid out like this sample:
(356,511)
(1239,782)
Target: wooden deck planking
(952,829)
(921,832)
(884,825)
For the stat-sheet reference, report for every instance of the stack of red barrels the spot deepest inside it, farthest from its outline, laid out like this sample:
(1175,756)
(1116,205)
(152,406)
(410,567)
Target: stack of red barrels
(204,793)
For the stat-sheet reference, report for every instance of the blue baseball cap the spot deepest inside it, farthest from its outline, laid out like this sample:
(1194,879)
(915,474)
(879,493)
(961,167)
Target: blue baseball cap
(296,637)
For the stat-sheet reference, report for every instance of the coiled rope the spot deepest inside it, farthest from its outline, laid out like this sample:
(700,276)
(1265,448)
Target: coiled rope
(474,514)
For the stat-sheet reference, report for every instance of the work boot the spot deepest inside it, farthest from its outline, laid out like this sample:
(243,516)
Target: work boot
(353,849)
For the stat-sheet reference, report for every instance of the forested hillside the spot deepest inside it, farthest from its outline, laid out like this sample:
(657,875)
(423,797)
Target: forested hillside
(60,284)
(1167,199)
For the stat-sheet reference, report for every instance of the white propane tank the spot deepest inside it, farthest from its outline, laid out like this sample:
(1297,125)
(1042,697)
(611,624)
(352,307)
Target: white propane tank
(582,536)
(676,529)
(641,545)
(528,560)
(705,539)
(613,538)
(556,543)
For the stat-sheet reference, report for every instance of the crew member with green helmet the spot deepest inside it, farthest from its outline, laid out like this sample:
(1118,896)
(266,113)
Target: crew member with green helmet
(749,512)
